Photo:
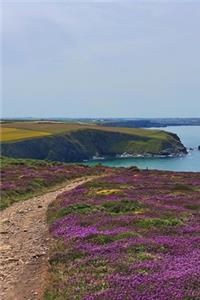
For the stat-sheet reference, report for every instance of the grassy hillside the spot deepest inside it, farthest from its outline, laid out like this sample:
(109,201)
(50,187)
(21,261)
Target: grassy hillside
(129,235)
(76,142)
(24,178)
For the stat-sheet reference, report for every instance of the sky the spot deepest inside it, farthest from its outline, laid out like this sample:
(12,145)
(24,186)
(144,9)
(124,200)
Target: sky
(100,59)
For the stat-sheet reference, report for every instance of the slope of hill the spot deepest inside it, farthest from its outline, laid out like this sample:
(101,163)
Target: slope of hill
(120,233)
(130,235)
(77,142)
(25,178)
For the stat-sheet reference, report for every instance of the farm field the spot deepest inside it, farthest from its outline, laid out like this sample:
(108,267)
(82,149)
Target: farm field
(24,130)
(14,134)
(131,235)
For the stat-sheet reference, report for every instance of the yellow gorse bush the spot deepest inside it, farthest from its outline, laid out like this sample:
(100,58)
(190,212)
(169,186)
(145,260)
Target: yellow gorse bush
(108,192)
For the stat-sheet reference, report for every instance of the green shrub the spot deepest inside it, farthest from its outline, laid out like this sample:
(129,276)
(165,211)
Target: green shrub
(157,222)
(75,208)
(192,206)
(102,239)
(122,206)
(182,187)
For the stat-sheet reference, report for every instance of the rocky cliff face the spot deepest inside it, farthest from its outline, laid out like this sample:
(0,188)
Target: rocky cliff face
(84,144)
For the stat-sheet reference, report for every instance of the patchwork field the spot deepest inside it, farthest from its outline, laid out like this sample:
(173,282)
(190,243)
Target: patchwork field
(132,235)
(11,131)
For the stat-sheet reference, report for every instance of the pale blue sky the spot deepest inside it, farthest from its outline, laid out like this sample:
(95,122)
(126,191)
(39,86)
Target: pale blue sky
(101,59)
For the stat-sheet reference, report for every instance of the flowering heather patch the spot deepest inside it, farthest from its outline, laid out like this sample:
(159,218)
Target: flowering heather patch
(21,179)
(131,235)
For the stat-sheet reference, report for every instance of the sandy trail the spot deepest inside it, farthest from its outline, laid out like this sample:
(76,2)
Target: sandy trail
(24,246)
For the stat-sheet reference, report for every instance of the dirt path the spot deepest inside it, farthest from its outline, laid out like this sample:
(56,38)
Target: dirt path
(24,244)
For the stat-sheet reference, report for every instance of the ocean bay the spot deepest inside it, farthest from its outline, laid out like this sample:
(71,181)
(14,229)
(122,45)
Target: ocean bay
(190,137)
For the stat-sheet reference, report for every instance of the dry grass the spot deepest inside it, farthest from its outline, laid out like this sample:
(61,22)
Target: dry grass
(14,134)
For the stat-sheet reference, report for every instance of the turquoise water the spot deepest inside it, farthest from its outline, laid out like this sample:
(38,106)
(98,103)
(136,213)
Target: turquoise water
(190,137)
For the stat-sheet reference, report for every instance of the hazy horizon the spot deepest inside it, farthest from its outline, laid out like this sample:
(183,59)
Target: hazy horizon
(109,118)
(100,59)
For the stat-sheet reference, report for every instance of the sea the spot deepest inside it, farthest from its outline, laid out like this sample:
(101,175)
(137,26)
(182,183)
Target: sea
(190,137)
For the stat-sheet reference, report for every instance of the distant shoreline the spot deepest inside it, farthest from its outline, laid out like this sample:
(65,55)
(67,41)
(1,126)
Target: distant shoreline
(115,122)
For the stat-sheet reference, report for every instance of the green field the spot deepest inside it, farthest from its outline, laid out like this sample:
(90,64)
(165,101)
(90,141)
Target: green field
(25,130)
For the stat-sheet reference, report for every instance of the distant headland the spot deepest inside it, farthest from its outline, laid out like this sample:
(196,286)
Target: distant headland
(79,141)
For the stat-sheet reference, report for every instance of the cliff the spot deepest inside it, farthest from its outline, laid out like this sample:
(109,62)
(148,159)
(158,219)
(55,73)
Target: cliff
(82,144)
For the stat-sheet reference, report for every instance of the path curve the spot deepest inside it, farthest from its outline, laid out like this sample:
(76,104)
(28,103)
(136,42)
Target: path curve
(24,245)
